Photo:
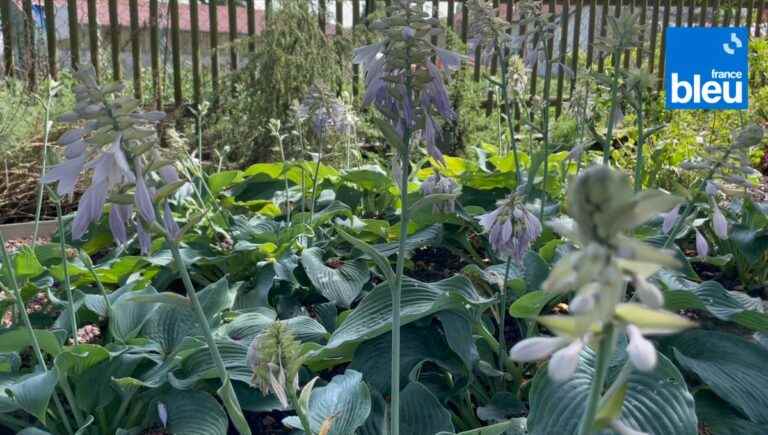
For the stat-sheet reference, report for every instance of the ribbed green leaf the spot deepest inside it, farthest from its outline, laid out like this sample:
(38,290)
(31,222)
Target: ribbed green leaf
(431,235)
(33,392)
(341,285)
(346,401)
(516,426)
(657,402)
(421,412)
(733,367)
(717,417)
(194,413)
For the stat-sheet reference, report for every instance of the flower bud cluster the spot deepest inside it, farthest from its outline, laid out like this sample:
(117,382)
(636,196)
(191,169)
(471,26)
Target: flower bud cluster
(275,358)
(511,228)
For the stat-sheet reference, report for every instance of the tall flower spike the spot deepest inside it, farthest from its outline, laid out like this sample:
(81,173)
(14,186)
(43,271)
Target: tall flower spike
(401,61)
(117,142)
(275,358)
(436,184)
(326,112)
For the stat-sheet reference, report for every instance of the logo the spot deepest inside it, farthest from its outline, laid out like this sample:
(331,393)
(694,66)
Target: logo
(706,68)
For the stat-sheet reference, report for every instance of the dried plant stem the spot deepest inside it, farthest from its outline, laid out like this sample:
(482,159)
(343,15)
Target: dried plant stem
(604,352)
(43,165)
(226,389)
(28,326)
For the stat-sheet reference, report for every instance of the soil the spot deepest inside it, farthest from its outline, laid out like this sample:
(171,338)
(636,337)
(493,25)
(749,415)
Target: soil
(432,264)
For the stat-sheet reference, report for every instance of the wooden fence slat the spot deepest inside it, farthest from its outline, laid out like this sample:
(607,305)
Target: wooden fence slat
(654,36)
(232,15)
(267,10)
(641,43)
(135,48)
(322,14)
(114,33)
(435,14)
(591,33)
(759,18)
(703,14)
(355,67)
(603,32)
(565,14)
(50,33)
(715,13)
(451,15)
(662,50)
(213,19)
(29,29)
(679,13)
(575,43)
(727,16)
(74,34)
(691,12)
(8,37)
(750,6)
(339,15)
(154,48)
(464,21)
(509,11)
(631,9)
(197,82)
(93,37)
(737,14)
(251,25)
(173,5)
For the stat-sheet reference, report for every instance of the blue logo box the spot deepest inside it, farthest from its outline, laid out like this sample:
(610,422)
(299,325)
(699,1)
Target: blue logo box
(706,68)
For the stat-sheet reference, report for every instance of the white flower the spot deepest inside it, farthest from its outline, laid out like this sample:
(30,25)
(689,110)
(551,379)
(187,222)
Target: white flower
(536,348)
(563,363)
(641,351)
(648,293)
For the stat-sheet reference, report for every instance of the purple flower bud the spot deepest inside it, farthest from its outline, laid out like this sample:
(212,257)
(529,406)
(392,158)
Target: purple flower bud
(171,227)
(719,223)
(169,174)
(511,228)
(711,188)
(118,218)
(145,239)
(669,219)
(408,33)
(143,198)
(702,247)
(89,209)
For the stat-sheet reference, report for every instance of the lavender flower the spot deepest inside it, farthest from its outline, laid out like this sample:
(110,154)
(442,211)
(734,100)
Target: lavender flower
(401,80)
(511,228)
(702,247)
(115,145)
(436,184)
(327,113)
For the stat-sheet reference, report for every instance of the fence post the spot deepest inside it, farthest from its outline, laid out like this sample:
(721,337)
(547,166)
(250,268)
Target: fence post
(232,15)
(603,32)
(449,21)
(591,33)
(74,34)
(703,14)
(654,35)
(213,31)
(339,17)
(641,42)
(750,5)
(663,48)
(715,13)
(737,14)
(5,10)
(691,11)
(114,31)
(435,14)
(197,85)
(322,14)
(154,48)
(93,37)
(575,43)
(355,67)
(173,5)
(759,18)
(464,21)
(50,33)
(561,61)
(251,25)
(133,5)
(29,29)
(679,14)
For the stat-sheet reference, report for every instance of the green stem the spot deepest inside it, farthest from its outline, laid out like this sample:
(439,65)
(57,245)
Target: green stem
(46,135)
(203,321)
(604,352)
(302,416)
(28,325)
(639,164)
(545,125)
(503,316)
(614,103)
(508,113)
(65,267)
(405,158)
(122,410)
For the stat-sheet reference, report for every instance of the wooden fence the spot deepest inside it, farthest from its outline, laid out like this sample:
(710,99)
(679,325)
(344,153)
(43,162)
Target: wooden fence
(581,22)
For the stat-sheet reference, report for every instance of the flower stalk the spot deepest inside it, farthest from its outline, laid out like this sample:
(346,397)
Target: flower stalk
(604,353)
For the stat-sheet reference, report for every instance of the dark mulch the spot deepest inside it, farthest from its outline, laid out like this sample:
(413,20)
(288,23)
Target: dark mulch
(434,264)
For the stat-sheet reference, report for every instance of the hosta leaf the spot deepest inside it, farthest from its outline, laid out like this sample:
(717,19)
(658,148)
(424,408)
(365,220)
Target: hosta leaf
(169,325)
(530,304)
(341,285)
(33,392)
(373,358)
(713,297)
(516,426)
(198,365)
(657,402)
(421,412)
(429,236)
(15,340)
(129,317)
(346,401)
(77,359)
(733,367)
(717,417)
(194,413)
(373,316)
